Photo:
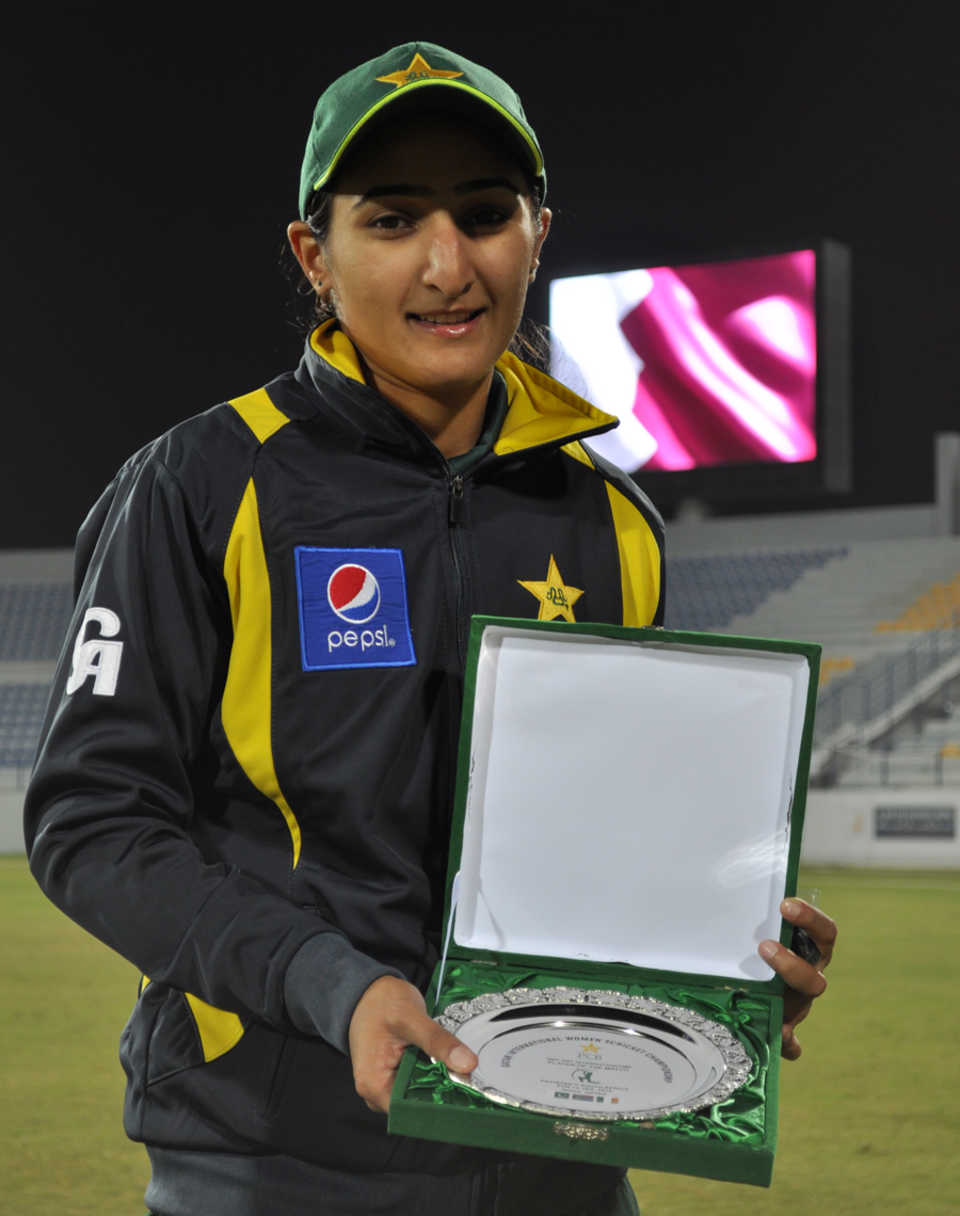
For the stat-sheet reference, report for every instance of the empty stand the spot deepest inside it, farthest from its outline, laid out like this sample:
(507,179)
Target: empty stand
(938,607)
(34,616)
(709,593)
(920,750)
(873,688)
(33,620)
(840,602)
(21,715)
(887,616)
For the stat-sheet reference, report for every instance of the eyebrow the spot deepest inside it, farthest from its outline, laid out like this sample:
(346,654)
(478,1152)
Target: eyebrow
(408,190)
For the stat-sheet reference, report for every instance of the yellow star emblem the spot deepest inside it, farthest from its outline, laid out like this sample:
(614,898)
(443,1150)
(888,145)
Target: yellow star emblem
(556,599)
(591,1047)
(419,69)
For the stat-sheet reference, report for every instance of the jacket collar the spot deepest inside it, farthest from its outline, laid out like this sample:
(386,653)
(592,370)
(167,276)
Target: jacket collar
(541,412)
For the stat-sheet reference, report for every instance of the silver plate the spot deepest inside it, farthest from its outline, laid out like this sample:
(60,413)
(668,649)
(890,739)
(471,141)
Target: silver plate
(595,1054)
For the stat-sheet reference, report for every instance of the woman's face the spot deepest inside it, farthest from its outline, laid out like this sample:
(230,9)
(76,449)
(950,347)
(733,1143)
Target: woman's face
(432,243)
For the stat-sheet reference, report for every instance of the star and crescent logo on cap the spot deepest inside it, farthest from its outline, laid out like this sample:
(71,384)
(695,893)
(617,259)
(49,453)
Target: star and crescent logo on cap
(556,598)
(419,69)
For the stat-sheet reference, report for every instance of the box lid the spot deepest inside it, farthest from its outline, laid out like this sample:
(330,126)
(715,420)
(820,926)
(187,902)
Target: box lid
(629,796)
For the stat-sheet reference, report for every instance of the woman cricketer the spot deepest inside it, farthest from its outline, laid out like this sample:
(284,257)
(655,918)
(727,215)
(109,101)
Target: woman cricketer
(246,770)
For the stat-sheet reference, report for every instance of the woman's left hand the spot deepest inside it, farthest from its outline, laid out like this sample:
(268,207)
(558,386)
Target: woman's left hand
(805,981)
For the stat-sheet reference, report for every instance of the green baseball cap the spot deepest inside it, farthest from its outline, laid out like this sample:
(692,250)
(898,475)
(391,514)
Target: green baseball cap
(353,99)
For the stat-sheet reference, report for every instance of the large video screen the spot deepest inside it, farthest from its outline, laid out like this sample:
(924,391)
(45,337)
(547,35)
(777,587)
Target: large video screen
(706,365)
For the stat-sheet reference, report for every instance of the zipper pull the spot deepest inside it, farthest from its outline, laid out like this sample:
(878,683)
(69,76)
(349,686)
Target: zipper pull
(455,513)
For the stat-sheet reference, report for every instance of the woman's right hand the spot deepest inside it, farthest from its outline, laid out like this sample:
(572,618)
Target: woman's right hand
(390,1016)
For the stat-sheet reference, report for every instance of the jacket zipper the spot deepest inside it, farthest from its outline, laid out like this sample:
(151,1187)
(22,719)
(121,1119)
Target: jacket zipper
(454,520)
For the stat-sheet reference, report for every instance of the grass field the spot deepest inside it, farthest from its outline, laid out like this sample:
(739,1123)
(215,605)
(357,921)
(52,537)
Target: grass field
(869,1117)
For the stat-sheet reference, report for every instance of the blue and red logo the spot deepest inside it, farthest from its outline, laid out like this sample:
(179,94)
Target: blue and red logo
(353,593)
(353,608)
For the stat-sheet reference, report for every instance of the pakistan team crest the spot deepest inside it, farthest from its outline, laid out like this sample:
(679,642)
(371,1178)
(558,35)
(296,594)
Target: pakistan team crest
(555,597)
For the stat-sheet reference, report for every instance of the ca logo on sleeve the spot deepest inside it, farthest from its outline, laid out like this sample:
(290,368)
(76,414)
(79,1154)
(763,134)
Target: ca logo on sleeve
(96,656)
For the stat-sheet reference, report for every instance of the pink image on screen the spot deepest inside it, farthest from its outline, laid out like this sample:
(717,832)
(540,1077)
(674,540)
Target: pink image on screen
(728,353)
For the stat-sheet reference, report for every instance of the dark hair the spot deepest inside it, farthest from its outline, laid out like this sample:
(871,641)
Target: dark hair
(318,219)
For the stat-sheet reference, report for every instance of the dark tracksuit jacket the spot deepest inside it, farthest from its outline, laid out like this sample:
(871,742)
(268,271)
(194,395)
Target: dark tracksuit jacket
(246,769)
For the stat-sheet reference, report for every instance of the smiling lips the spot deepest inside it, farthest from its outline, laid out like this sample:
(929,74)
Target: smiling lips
(451,323)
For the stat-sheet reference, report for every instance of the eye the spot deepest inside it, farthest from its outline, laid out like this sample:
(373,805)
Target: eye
(390,223)
(489,216)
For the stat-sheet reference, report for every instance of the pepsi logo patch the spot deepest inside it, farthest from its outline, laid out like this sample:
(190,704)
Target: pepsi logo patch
(353,593)
(353,608)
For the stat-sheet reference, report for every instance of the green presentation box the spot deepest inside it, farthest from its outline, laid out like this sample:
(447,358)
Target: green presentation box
(628,817)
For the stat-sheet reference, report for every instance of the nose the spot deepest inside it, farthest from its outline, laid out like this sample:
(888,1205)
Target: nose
(448,267)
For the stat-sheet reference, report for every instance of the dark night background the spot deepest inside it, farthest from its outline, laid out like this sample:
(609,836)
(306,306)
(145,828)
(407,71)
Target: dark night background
(152,157)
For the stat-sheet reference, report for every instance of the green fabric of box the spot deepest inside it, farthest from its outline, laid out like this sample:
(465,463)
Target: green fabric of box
(735,1139)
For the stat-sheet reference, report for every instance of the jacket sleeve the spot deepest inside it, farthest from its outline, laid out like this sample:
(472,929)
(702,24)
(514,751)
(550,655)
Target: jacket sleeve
(110,805)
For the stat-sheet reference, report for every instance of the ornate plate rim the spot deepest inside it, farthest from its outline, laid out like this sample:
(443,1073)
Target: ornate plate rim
(737,1062)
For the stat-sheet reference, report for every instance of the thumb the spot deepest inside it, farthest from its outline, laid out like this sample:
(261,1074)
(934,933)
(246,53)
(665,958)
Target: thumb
(460,1059)
(443,1046)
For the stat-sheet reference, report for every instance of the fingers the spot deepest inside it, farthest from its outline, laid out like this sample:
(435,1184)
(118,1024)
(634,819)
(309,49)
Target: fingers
(803,977)
(804,981)
(790,1047)
(390,1016)
(821,927)
(799,975)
